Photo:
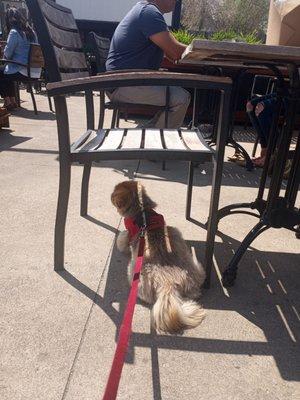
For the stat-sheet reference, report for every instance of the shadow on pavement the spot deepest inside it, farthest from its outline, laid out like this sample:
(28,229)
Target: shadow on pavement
(266,294)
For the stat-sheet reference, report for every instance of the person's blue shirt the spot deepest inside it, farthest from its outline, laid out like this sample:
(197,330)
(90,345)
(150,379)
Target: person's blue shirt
(131,47)
(16,49)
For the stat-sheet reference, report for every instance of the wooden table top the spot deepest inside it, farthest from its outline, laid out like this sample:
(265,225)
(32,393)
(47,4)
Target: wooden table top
(237,54)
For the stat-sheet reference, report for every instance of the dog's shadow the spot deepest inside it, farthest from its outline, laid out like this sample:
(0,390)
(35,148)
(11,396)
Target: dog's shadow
(246,299)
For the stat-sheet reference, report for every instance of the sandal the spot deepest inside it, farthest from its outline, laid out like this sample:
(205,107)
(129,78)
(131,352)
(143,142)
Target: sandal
(237,157)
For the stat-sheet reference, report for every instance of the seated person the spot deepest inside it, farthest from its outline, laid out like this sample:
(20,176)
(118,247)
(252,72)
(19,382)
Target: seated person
(140,42)
(17,49)
(260,111)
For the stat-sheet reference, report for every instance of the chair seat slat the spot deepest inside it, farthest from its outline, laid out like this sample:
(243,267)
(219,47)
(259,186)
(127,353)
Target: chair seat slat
(79,142)
(96,141)
(194,140)
(129,139)
(153,139)
(173,140)
(132,139)
(113,139)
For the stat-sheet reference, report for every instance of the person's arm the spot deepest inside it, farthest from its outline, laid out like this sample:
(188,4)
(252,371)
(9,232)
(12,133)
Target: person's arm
(170,46)
(12,42)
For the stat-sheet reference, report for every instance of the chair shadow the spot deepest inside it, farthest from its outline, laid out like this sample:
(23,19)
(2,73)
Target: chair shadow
(265,303)
(101,224)
(7,140)
(233,175)
(29,114)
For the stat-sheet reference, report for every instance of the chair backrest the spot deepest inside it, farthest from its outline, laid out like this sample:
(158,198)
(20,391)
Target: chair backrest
(267,85)
(60,40)
(100,47)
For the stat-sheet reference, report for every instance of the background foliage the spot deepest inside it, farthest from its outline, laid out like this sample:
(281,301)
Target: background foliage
(241,16)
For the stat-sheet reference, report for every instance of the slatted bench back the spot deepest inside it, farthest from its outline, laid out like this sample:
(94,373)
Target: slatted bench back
(60,40)
(100,47)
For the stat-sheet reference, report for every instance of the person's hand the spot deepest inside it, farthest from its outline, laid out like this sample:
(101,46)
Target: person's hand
(259,108)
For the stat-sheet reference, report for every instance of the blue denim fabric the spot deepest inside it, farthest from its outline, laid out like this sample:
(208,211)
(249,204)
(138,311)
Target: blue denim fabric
(131,47)
(263,122)
(16,49)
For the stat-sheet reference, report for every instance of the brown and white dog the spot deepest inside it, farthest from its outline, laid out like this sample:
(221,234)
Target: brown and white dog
(170,279)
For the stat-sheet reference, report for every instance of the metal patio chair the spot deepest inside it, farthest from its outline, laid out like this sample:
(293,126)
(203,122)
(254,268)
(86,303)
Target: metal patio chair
(35,60)
(68,73)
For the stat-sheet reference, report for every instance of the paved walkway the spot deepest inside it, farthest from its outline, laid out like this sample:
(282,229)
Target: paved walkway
(58,331)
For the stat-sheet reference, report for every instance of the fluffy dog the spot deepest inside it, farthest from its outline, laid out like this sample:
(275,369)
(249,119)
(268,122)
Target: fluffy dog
(170,279)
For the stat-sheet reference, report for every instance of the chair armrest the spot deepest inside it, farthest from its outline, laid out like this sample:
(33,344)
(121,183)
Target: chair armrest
(4,60)
(140,78)
(121,71)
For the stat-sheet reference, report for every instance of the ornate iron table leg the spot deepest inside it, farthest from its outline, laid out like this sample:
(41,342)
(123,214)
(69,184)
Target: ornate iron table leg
(230,273)
(258,205)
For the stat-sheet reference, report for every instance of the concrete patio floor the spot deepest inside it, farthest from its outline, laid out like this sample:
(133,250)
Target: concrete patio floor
(58,330)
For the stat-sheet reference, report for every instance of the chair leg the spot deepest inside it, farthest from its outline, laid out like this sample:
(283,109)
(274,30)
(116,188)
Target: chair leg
(114,118)
(17,93)
(189,191)
(32,98)
(255,147)
(102,110)
(50,104)
(61,214)
(85,189)
(118,119)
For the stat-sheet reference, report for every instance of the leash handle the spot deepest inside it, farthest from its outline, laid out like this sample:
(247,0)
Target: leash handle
(112,385)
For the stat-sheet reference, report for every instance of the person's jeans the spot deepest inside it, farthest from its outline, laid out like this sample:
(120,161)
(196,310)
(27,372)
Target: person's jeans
(263,122)
(7,82)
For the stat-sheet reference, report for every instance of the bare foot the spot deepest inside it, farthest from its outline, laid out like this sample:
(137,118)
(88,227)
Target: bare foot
(259,162)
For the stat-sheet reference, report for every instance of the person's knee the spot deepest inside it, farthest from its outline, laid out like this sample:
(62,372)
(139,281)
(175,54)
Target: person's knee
(179,97)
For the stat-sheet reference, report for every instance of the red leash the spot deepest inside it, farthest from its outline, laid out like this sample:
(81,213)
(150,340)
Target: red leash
(111,390)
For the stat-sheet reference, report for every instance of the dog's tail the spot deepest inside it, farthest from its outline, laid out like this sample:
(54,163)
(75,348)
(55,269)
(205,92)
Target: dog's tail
(172,314)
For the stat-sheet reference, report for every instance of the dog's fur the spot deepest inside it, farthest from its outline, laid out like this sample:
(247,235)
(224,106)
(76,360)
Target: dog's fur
(170,279)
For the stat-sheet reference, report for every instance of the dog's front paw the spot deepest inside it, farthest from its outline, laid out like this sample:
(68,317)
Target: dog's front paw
(123,242)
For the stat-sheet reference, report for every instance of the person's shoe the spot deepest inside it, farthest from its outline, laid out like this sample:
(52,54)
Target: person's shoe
(242,162)
(237,157)
(11,107)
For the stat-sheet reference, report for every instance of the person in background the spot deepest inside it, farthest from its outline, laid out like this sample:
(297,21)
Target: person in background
(17,48)
(140,42)
(260,111)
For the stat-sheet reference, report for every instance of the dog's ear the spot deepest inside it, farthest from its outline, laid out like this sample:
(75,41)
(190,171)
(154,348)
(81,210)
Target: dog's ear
(148,203)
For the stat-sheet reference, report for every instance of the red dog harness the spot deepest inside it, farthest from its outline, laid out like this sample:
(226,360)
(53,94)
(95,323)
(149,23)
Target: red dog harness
(135,225)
